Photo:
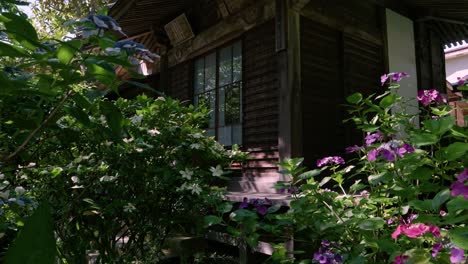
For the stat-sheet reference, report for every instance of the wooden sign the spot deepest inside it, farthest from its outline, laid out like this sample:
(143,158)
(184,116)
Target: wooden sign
(179,30)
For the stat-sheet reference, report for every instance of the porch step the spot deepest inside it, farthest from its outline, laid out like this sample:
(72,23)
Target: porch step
(263,184)
(275,198)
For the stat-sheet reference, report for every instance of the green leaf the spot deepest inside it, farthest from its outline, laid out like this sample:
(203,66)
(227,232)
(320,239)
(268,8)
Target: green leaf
(10,51)
(225,208)
(454,151)
(113,116)
(371,224)
(56,172)
(19,29)
(376,179)
(212,220)
(441,125)
(35,243)
(252,240)
(354,98)
(459,237)
(456,204)
(309,174)
(388,101)
(67,51)
(424,139)
(440,199)
(425,205)
(274,208)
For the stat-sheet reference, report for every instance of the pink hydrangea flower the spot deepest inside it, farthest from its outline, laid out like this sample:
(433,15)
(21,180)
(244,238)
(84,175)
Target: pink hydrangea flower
(400,259)
(426,97)
(415,230)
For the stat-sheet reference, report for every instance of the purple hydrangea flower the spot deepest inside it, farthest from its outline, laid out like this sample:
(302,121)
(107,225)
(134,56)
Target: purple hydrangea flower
(388,155)
(372,155)
(371,138)
(336,160)
(394,76)
(435,249)
(463,176)
(262,210)
(244,204)
(457,255)
(461,81)
(352,149)
(459,187)
(426,97)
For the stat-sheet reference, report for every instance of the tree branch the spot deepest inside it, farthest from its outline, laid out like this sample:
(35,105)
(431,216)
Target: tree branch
(35,131)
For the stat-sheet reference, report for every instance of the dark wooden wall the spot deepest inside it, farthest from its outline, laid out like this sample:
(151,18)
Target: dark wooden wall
(180,83)
(260,97)
(431,57)
(337,60)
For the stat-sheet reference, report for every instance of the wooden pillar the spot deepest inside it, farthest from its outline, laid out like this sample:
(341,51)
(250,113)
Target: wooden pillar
(289,75)
(163,75)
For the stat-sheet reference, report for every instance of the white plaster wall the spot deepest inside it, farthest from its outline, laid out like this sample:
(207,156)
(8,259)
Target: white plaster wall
(456,67)
(402,55)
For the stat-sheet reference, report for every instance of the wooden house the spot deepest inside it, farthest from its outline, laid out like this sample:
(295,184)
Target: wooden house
(275,72)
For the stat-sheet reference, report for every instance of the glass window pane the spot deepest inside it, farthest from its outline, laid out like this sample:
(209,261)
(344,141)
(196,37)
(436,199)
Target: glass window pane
(237,62)
(222,106)
(212,96)
(233,104)
(210,72)
(225,66)
(199,75)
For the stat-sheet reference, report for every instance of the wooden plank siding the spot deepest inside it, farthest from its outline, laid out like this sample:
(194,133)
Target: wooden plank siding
(260,97)
(336,63)
(180,83)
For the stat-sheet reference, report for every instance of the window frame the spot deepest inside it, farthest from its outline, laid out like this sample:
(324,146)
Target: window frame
(217,51)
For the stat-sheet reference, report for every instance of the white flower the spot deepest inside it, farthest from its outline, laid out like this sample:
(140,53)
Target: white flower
(195,146)
(108,143)
(5,195)
(217,172)
(154,132)
(24,177)
(161,99)
(136,120)
(107,178)
(127,140)
(186,174)
(129,208)
(77,187)
(75,179)
(2,176)
(195,188)
(20,190)
(102,119)
(139,150)
(196,135)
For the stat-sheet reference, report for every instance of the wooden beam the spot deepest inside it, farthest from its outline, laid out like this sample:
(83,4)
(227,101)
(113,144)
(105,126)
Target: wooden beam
(289,75)
(124,6)
(298,5)
(228,29)
(323,19)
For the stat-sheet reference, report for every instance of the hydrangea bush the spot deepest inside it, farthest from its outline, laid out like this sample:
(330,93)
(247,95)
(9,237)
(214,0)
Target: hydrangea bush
(81,174)
(400,198)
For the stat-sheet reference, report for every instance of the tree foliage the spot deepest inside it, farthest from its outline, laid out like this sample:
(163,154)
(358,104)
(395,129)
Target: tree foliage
(51,15)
